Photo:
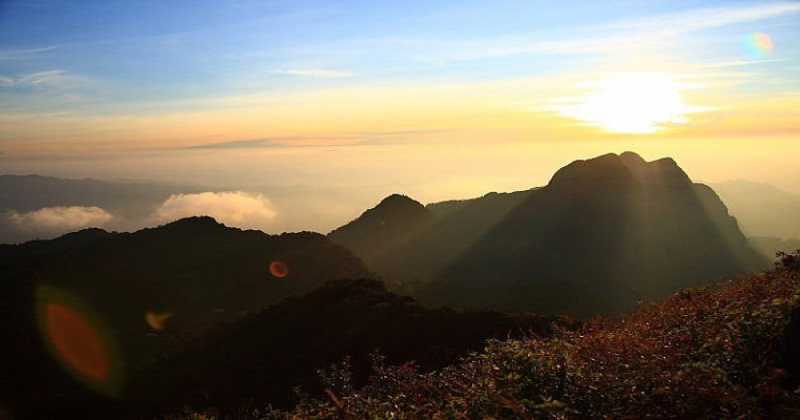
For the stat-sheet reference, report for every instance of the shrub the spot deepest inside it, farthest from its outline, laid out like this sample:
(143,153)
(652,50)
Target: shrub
(702,353)
(709,352)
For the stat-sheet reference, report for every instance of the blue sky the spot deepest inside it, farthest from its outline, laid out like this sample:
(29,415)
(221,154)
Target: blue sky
(113,53)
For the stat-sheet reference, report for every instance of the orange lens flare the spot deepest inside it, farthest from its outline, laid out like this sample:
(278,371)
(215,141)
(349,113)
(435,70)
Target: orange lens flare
(279,269)
(78,345)
(156,320)
(78,339)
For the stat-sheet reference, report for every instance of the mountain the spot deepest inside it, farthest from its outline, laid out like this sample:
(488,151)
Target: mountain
(142,295)
(265,355)
(761,209)
(383,228)
(423,241)
(602,235)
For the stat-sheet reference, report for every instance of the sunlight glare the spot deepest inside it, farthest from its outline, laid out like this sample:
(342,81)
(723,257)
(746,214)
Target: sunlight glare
(636,103)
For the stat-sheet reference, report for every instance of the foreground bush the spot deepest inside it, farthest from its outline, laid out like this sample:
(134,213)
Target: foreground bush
(717,352)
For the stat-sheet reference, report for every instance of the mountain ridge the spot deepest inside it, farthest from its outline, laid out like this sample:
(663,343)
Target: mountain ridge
(617,214)
(192,274)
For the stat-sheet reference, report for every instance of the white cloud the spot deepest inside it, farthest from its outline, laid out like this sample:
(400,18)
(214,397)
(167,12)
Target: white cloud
(316,73)
(59,219)
(707,18)
(41,79)
(23,54)
(233,208)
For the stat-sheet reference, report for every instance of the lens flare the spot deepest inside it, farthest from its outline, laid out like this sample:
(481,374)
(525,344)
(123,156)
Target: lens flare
(78,340)
(157,320)
(758,45)
(279,269)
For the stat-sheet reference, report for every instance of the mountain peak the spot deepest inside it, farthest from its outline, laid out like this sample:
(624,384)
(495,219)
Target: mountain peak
(194,223)
(632,158)
(624,168)
(398,200)
(392,220)
(599,170)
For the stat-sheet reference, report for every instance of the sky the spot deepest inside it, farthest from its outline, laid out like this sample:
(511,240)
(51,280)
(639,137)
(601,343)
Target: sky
(358,99)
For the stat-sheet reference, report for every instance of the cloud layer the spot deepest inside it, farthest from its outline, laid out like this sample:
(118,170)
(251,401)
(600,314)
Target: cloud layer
(233,208)
(59,219)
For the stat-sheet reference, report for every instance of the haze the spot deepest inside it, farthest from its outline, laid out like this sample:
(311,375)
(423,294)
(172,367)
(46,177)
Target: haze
(324,108)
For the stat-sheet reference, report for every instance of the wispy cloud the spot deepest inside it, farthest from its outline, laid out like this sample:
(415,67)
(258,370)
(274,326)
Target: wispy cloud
(244,144)
(357,139)
(318,73)
(42,79)
(741,63)
(23,53)
(605,38)
(708,18)
(274,142)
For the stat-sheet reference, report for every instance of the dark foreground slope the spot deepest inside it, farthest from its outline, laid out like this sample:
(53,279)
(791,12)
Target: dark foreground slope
(266,355)
(728,351)
(602,235)
(107,304)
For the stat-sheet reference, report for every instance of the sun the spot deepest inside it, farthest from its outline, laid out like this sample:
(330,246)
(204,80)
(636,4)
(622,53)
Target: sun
(638,103)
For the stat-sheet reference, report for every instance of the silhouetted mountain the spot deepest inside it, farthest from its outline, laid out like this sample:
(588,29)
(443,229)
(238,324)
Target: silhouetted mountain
(384,227)
(264,356)
(29,252)
(603,234)
(761,209)
(436,234)
(200,272)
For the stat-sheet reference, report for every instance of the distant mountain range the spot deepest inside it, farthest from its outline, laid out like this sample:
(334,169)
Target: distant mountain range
(761,209)
(602,235)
